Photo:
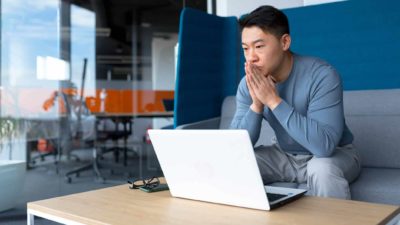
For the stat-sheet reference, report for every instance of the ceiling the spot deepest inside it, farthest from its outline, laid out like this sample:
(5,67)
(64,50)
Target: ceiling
(160,15)
(119,20)
(124,26)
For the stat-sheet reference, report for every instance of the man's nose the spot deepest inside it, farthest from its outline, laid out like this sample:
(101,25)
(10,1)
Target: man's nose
(252,56)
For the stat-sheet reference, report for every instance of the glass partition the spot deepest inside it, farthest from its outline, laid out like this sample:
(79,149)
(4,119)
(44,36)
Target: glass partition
(30,66)
(81,82)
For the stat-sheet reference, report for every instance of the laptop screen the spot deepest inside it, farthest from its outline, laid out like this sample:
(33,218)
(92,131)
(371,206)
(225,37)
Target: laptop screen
(168,104)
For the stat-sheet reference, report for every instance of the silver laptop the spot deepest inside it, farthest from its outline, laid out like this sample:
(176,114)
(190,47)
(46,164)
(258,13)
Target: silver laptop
(216,166)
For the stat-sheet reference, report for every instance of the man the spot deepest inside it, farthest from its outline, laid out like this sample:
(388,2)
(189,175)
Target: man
(301,98)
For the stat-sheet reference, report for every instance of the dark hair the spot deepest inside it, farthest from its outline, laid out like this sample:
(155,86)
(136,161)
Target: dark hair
(267,18)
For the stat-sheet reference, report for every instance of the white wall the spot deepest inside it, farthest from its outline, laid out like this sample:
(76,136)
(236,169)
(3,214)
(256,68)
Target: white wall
(163,69)
(238,8)
(163,62)
(316,2)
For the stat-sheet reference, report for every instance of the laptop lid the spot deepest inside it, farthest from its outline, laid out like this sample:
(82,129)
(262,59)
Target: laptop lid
(210,165)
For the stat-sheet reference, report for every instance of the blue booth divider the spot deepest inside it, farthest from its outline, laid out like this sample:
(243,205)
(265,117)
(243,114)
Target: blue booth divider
(208,67)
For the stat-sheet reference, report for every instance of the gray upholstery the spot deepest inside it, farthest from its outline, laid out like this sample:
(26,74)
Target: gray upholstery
(378,185)
(212,123)
(374,118)
(228,110)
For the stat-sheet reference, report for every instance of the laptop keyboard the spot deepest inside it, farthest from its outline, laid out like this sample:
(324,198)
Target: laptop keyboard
(273,197)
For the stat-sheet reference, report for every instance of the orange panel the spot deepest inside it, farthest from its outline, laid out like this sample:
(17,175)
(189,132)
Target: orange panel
(130,101)
(36,101)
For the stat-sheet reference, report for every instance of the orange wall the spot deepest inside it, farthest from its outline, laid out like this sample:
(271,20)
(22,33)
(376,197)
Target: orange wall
(130,101)
(29,102)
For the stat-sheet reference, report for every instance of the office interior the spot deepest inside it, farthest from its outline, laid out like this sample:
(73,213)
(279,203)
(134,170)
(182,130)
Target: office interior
(81,78)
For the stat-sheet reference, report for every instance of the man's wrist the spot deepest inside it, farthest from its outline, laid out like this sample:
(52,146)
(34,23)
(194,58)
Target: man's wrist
(257,108)
(274,103)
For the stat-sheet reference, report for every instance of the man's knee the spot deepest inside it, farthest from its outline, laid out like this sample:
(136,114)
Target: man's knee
(325,179)
(322,169)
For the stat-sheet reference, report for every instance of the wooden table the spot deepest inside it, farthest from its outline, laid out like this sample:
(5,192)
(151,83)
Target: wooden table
(121,205)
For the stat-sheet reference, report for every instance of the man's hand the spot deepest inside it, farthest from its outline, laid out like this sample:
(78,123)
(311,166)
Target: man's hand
(257,105)
(263,87)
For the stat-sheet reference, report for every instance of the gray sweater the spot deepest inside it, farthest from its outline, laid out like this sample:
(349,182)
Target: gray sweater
(310,118)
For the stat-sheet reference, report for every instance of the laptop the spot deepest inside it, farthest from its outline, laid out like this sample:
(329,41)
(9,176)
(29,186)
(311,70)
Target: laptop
(216,166)
(168,104)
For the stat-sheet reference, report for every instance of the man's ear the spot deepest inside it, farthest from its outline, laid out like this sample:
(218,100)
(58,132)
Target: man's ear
(285,42)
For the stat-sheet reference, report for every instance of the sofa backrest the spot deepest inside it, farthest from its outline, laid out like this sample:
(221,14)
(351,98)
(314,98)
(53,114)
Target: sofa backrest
(373,116)
(332,32)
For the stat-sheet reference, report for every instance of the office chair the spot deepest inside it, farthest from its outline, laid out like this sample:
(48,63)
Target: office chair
(117,134)
(48,132)
(74,136)
(100,146)
(101,136)
(40,139)
(42,155)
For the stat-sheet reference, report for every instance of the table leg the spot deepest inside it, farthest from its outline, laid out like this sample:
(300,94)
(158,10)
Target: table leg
(395,220)
(30,218)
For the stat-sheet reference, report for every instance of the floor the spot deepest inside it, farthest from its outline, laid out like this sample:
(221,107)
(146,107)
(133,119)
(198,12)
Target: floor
(44,182)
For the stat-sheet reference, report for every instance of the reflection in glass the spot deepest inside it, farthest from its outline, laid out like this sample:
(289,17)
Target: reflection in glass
(83,44)
(29,33)
(129,48)
(29,29)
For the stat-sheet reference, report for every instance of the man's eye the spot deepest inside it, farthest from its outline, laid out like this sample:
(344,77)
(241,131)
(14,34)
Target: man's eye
(244,49)
(259,46)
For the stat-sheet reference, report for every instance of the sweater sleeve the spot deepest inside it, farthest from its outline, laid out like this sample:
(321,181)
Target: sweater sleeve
(245,118)
(320,130)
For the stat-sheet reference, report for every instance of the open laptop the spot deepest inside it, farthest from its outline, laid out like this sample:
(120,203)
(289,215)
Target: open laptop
(168,104)
(216,166)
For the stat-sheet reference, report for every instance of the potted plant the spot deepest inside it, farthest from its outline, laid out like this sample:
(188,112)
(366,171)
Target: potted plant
(12,172)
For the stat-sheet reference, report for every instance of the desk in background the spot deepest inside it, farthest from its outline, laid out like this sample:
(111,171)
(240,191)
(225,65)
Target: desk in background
(121,205)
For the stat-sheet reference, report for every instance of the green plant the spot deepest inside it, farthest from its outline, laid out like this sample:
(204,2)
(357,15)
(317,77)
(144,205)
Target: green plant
(9,129)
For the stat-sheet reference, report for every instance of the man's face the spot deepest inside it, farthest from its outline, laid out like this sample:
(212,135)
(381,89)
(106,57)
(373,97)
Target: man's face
(263,50)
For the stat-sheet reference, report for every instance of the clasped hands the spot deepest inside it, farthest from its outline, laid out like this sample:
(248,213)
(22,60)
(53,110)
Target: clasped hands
(262,89)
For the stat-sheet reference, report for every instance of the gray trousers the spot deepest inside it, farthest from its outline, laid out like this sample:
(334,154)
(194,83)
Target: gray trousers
(325,177)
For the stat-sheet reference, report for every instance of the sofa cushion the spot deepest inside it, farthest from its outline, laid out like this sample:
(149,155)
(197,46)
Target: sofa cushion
(377,185)
(373,117)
